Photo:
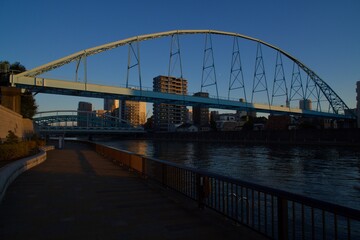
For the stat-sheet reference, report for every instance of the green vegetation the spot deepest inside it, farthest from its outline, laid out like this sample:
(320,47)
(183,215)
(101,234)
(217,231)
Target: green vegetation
(13,148)
(11,138)
(6,69)
(28,104)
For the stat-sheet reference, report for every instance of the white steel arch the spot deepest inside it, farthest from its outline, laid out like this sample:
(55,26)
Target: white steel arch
(105,47)
(337,104)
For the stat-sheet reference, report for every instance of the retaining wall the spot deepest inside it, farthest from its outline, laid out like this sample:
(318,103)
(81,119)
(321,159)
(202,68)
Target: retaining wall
(11,171)
(12,121)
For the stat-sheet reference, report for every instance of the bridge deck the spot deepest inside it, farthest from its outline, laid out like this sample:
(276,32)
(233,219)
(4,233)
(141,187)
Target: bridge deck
(77,194)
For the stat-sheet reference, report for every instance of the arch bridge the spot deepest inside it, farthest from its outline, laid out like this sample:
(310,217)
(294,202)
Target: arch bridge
(282,97)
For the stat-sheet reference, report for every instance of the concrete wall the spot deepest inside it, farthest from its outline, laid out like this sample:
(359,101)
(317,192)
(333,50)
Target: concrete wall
(12,121)
(11,98)
(28,127)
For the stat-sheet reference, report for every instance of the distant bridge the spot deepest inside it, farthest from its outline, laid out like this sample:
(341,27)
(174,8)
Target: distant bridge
(81,122)
(314,88)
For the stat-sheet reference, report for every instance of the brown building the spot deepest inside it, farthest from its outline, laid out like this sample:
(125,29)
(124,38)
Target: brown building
(167,116)
(201,116)
(110,104)
(278,122)
(84,115)
(133,112)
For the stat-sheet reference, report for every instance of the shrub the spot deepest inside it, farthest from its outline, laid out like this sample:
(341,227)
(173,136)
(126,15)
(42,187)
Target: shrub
(11,138)
(14,151)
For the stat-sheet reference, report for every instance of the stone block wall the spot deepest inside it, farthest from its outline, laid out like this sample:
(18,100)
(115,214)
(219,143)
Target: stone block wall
(12,121)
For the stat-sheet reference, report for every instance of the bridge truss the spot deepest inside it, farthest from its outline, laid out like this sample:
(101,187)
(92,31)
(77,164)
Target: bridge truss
(72,121)
(315,87)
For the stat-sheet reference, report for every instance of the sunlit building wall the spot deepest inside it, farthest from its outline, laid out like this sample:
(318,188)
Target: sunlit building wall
(110,104)
(134,112)
(190,116)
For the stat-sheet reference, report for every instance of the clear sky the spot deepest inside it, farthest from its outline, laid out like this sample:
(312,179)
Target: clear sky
(323,34)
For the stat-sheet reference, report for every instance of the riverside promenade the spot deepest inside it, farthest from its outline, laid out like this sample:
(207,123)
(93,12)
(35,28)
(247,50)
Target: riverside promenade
(78,194)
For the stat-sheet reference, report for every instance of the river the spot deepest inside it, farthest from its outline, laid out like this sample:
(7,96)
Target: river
(327,173)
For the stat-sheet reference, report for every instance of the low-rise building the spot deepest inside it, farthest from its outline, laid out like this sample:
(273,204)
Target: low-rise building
(228,122)
(187,127)
(278,122)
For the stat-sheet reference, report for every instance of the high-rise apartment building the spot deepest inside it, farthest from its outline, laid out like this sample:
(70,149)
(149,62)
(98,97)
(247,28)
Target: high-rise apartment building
(85,109)
(110,104)
(358,102)
(167,116)
(134,112)
(201,115)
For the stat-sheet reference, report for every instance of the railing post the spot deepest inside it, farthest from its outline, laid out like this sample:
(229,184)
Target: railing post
(163,172)
(282,206)
(200,190)
(143,169)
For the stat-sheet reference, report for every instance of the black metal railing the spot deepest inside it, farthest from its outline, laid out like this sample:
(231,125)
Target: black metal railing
(272,212)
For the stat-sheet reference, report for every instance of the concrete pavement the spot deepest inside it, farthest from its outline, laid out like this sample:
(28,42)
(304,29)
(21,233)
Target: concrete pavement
(78,194)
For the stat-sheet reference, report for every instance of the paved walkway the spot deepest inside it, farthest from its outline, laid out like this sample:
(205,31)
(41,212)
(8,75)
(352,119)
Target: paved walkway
(77,194)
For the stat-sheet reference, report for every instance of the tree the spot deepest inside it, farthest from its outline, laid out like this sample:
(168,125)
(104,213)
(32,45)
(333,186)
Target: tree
(4,73)
(6,69)
(16,68)
(249,125)
(149,125)
(213,124)
(28,105)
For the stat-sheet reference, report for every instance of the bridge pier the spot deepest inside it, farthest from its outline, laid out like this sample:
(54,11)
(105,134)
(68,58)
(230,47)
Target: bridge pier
(90,137)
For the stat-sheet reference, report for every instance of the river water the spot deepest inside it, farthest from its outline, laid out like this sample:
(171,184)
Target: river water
(327,173)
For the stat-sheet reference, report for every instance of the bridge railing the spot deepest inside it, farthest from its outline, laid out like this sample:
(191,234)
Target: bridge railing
(272,212)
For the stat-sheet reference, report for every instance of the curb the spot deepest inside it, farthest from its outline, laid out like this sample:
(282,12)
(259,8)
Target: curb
(11,171)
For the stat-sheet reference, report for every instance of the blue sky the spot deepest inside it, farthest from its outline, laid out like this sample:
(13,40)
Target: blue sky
(325,35)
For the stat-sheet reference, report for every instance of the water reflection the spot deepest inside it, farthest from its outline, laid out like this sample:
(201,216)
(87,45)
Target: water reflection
(327,173)
(140,147)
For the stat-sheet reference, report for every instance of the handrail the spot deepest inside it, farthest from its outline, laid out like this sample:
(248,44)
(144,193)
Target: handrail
(258,187)
(275,213)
